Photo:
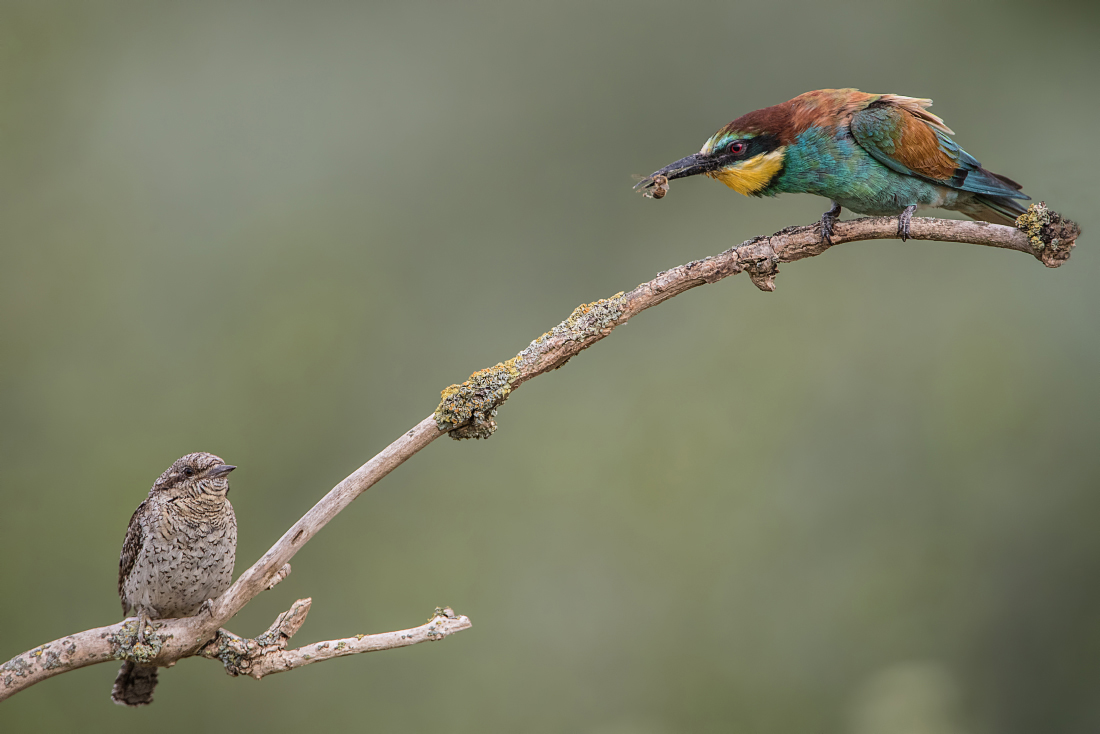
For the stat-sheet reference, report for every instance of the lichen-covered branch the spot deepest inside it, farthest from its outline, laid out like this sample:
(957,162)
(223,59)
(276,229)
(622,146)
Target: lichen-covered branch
(256,657)
(468,411)
(267,653)
(238,654)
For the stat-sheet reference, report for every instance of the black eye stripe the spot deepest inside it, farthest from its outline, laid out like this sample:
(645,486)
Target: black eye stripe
(750,148)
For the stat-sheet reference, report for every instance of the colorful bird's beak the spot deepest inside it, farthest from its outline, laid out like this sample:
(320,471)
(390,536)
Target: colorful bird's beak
(691,166)
(221,470)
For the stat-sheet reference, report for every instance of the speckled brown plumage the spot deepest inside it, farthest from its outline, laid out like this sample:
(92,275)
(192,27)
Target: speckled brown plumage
(179,551)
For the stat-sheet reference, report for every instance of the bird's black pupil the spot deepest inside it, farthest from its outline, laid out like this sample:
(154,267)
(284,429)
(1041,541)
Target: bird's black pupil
(736,148)
(188,471)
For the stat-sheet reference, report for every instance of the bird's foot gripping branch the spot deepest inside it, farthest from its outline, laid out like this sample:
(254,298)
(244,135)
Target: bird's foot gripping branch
(126,645)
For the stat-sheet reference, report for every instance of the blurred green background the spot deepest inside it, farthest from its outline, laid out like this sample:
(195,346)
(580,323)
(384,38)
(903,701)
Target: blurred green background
(866,503)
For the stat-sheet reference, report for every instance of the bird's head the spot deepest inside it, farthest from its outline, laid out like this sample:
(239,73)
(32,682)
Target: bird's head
(195,474)
(746,155)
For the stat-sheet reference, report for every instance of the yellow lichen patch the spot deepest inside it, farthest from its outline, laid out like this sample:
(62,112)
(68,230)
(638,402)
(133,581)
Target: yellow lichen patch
(124,644)
(468,410)
(587,319)
(1051,235)
(751,176)
(1032,222)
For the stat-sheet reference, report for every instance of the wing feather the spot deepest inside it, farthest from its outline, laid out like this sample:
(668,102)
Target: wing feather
(900,134)
(131,547)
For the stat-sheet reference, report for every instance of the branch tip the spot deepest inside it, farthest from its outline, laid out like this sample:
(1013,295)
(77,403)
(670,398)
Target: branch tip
(1051,235)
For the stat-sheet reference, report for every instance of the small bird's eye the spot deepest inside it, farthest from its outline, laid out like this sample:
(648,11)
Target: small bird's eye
(188,471)
(737,148)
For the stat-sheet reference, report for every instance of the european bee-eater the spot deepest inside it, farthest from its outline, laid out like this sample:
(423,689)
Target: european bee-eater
(878,154)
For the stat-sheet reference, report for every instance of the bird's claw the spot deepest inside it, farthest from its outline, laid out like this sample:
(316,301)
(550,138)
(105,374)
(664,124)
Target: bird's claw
(142,620)
(903,222)
(828,219)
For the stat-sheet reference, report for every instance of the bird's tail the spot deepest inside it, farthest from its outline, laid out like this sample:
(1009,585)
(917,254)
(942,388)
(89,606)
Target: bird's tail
(995,209)
(134,684)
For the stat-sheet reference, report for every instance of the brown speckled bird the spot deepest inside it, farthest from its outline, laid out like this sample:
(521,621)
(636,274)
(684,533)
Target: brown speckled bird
(179,552)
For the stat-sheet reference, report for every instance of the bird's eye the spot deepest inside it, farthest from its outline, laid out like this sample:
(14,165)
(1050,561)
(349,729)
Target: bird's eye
(737,148)
(188,471)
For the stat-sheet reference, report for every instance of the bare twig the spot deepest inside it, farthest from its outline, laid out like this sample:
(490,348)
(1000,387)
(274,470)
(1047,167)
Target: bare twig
(468,411)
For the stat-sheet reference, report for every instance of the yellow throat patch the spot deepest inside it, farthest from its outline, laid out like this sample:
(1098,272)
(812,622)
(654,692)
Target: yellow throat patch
(751,176)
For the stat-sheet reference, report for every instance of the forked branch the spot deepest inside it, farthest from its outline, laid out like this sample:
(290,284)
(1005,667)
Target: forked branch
(468,411)
(267,653)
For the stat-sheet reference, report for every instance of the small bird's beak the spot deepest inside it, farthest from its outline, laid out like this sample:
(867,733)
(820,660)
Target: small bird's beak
(691,166)
(221,470)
